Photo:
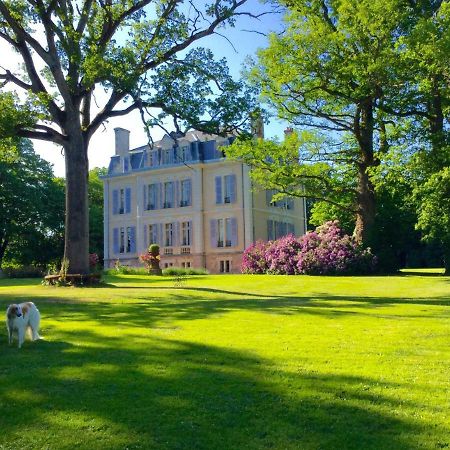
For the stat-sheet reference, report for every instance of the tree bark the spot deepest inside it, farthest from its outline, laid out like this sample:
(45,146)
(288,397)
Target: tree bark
(365,199)
(76,242)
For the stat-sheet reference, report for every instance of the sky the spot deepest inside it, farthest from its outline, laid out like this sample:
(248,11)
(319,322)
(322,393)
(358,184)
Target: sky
(238,44)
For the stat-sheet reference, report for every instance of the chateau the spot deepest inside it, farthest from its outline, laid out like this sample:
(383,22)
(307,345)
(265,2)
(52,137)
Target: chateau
(184,195)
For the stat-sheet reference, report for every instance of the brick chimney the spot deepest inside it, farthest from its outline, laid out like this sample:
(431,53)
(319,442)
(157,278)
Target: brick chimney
(257,124)
(122,141)
(288,131)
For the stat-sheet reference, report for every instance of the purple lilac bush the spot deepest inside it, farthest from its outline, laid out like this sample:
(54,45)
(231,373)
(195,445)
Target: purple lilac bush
(325,251)
(254,258)
(281,255)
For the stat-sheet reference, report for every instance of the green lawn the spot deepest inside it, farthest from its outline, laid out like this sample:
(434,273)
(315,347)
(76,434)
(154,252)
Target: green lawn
(231,362)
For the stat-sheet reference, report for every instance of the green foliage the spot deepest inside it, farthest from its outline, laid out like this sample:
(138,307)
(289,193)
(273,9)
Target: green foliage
(433,199)
(154,249)
(95,189)
(180,271)
(17,271)
(32,213)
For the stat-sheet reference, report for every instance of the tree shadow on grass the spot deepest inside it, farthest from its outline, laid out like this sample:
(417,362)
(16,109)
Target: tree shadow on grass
(186,304)
(95,392)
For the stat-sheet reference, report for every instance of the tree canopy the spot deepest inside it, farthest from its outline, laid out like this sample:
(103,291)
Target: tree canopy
(138,53)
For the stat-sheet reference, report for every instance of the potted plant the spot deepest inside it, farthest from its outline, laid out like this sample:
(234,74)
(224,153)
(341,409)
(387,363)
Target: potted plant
(151,259)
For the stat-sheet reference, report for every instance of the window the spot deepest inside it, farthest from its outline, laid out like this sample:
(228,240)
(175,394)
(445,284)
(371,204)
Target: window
(186,186)
(152,234)
(167,156)
(185,154)
(220,234)
(166,265)
(153,159)
(186,264)
(225,266)
(168,194)
(122,201)
(168,238)
(286,203)
(277,229)
(150,196)
(225,189)
(229,191)
(186,231)
(228,232)
(224,232)
(124,240)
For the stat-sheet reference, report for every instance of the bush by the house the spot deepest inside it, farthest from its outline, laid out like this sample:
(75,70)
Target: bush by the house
(254,258)
(328,251)
(325,251)
(281,255)
(179,271)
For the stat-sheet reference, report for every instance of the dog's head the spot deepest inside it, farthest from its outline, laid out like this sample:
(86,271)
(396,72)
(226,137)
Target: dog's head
(14,311)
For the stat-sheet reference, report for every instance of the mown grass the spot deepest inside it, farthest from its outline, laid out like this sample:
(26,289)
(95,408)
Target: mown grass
(231,362)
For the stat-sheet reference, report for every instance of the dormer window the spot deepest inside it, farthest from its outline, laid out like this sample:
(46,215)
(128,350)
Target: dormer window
(126,163)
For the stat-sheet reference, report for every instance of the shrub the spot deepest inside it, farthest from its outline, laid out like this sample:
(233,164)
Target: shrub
(254,258)
(93,260)
(13,271)
(178,271)
(327,251)
(281,255)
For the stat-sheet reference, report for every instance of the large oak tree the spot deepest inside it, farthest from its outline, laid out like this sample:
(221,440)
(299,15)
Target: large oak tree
(136,51)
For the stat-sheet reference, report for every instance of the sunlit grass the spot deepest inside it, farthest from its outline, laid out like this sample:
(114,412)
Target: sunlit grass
(231,362)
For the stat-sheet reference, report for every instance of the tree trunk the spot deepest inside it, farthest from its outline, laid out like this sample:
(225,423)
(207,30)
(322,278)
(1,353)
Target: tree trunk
(3,246)
(366,205)
(76,242)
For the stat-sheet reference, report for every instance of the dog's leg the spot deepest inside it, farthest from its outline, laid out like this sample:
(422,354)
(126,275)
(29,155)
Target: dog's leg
(10,335)
(21,335)
(35,331)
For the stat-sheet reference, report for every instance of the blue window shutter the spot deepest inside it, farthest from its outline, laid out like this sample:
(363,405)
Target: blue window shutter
(270,230)
(234,233)
(218,190)
(213,229)
(177,194)
(233,188)
(127,200)
(146,230)
(145,197)
(268,196)
(191,232)
(116,240)
(172,194)
(132,239)
(161,189)
(189,192)
(176,233)
(161,234)
(290,203)
(115,201)
(156,233)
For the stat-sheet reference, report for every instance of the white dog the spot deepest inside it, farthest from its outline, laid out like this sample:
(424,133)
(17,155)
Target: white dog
(21,317)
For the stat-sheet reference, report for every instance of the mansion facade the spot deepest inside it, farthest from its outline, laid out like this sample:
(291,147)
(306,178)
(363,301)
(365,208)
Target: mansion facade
(184,195)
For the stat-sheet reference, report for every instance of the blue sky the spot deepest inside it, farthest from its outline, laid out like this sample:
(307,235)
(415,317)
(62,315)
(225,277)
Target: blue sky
(243,44)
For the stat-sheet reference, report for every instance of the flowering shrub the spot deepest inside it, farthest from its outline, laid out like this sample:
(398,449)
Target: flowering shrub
(325,251)
(281,255)
(93,260)
(254,258)
(148,259)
